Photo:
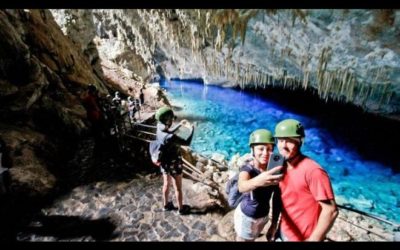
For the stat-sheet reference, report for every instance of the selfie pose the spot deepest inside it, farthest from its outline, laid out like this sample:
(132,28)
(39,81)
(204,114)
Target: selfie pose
(258,186)
(308,203)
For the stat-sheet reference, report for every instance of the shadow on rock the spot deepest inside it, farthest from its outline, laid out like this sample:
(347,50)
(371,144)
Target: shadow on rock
(64,227)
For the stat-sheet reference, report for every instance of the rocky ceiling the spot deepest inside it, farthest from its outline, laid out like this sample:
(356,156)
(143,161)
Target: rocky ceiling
(346,55)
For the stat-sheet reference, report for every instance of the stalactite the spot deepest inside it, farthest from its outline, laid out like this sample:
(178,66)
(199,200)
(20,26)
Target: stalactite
(306,79)
(373,91)
(361,94)
(324,88)
(332,84)
(290,82)
(319,83)
(284,81)
(352,88)
(382,95)
(365,95)
(389,97)
(237,71)
(263,79)
(332,87)
(342,83)
(336,83)
(323,83)
(258,77)
(378,74)
(348,82)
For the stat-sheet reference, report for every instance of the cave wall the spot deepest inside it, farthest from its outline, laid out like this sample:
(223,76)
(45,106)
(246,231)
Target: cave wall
(42,76)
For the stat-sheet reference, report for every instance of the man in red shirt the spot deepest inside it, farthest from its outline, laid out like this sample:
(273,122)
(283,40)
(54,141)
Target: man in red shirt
(91,103)
(308,203)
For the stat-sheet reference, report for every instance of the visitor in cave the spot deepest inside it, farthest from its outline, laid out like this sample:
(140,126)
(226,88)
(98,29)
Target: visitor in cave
(105,105)
(170,157)
(308,202)
(141,97)
(118,110)
(94,114)
(259,187)
(132,109)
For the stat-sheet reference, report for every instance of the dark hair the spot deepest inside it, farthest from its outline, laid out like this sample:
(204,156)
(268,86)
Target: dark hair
(92,88)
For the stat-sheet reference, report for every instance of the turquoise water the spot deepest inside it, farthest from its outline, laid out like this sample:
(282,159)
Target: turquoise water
(225,118)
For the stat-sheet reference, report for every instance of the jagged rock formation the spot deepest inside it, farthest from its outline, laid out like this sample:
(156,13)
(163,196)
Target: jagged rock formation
(345,55)
(42,76)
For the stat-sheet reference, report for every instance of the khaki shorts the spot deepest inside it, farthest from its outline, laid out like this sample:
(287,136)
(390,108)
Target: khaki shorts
(246,227)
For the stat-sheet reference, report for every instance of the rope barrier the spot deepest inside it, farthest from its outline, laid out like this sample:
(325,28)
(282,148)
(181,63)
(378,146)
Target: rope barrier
(145,132)
(368,230)
(138,138)
(219,163)
(369,215)
(143,125)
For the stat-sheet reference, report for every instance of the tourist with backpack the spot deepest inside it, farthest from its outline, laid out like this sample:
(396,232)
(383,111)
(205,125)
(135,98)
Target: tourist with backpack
(258,186)
(168,156)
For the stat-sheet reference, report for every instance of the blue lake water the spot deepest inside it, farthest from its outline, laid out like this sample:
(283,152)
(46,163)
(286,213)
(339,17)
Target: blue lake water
(225,118)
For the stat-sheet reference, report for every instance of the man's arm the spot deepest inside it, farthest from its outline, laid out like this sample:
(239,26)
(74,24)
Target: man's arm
(276,210)
(276,205)
(326,218)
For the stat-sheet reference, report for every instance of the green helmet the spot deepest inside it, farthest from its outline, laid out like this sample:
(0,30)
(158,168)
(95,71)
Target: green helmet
(261,136)
(289,128)
(161,112)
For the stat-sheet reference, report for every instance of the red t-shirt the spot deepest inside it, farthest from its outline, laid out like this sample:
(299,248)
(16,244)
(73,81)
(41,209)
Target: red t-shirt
(302,187)
(92,108)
